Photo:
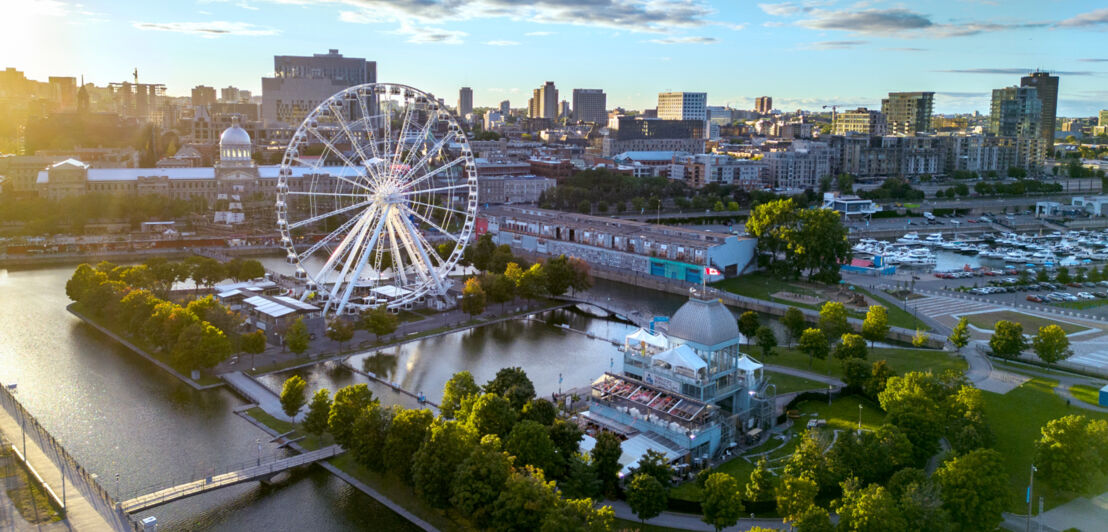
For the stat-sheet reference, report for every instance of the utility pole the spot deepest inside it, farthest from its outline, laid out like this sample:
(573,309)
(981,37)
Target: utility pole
(1030,486)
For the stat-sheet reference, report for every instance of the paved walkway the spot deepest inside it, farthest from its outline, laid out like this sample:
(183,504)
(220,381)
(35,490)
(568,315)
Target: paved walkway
(81,514)
(690,521)
(810,375)
(259,394)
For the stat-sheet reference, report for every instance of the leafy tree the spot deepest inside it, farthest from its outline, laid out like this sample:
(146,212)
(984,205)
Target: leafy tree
(530,443)
(646,496)
(492,414)
(917,403)
(479,480)
(458,388)
(871,508)
(960,335)
(579,514)
(473,297)
(481,251)
(722,501)
(876,325)
(795,494)
(814,344)
(856,373)
(832,320)
(341,331)
(448,444)
(748,325)
(605,458)
(512,384)
(851,346)
(655,464)
(498,288)
(809,460)
(766,341)
(368,435)
(974,489)
(296,337)
(813,519)
(567,442)
(771,223)
(315,422)
(348,404)
(919,339)
(880,373)
(292,395)
(1063,275)
(559,275)
(84,278)
(1007,340)
(406,435)
(794,322)
(1051,344)
(1071,451)
(525,501)
(820,244)
(253,343)
(251,269)
(540,410)
(378,321)
(186,351)
(762,484)
(532,284)
(580,479)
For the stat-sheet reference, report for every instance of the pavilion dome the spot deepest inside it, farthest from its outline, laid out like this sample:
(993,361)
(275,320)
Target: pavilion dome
(704,321)
(234,143)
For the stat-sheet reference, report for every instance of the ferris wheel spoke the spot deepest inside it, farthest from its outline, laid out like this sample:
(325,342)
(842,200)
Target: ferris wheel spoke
(319,217)
(433,206)
(343,248)
(346,130)
(361,264)
(411,247)
(430,267)
(397,260)
(323,241)
(422,136)
(454,186)
(330,145)
(336,194)
(432,173)
(430,153)
(431,223)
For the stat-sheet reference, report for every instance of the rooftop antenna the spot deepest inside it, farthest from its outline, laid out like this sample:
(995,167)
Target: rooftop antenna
(136,75)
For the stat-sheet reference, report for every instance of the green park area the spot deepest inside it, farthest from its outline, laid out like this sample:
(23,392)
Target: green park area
(1031,324)
(900,360)
(1016,419)
(1085,393)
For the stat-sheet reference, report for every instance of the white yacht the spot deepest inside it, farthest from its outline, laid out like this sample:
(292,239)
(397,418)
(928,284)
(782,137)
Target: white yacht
(910,238)
(933,239)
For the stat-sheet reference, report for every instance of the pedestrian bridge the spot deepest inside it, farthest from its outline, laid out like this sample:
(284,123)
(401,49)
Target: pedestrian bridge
(256,470)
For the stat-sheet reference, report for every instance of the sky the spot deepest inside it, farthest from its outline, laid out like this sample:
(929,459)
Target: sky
(804,54)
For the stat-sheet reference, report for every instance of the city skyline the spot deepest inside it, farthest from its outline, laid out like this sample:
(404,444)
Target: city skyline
(804,54)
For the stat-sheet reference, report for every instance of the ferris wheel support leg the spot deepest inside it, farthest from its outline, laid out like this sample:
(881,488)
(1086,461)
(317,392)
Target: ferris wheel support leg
(361,263)
(441,288)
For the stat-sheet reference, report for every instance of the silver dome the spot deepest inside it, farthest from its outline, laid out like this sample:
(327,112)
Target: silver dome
(705,322)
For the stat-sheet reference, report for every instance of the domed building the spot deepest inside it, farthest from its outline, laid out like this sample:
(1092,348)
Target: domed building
(689,391)
(235,147)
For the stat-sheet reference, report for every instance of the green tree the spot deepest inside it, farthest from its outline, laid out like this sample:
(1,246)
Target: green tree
(812,519)
(1051,344)
(919,339)
(856,373)
(253,343)
(814,344)
(473,297)
(448,444)
(876,325)
(498,288)
(532,284)
(795,494)
(605,458)
(492,414)
(880,373)
(559,275)
(868,509)
(457,389)
(580,479)
(762,484)
(655,464)
(809,460)
(820,244)
(851,346)
(512,384)
(1071,451)
(974,489)
(296,337)
(251,269)
(832,320)
(794,322)
(1007,340)
(646,496)
(479,480)
(766,341)
(378,321)
(540,410)
(315,422)
(341,331)
(721,504)
(348,404)
(579,514)
(1063,275)
(960,335)
(530,443)
(748,325)
(406,435)
(292,395)
(525,501)
(771,223)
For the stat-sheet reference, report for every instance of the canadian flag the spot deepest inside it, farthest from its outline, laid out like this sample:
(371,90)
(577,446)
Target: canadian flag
(711,271)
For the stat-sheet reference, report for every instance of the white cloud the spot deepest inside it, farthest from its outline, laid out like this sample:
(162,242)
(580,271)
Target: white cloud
(685,40)
(217,28)
(50,8)
(1098,17)
(430,35)
(539,33)
(502,43)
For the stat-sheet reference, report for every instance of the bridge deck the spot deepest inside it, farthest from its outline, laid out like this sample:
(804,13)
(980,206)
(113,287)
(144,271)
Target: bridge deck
(188,489)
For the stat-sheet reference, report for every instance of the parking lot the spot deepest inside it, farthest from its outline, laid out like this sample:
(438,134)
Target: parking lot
(1006,287)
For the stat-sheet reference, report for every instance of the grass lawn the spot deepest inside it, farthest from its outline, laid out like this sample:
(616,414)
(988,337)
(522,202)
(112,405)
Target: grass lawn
(842,413)
(901,360)
(1086,393)
(898,317)
(760,285)
(25,493)
(1082,304)
(1031,324)
(1016,419)
(789,383)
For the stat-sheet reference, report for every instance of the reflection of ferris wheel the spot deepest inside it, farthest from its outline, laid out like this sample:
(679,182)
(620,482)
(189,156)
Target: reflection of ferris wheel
(386,175)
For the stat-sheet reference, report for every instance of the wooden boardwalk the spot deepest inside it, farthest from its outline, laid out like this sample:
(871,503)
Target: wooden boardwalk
(246,474)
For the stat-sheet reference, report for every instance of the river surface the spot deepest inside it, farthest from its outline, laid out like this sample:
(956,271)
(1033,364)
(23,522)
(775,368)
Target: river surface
(118,414)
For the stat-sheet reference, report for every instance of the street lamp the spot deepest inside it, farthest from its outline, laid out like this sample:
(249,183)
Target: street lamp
(859,418)
(259,444)
(1029,488)
(829,388)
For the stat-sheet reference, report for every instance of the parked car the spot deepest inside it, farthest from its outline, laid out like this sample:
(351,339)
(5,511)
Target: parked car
(1034,298)
(1101,295)
(1085,295)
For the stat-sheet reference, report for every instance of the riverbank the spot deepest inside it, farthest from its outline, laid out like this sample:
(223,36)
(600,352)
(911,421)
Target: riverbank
(136,255)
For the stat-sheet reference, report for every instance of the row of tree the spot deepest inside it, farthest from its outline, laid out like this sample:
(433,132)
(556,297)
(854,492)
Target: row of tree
(792,241)
(42,216)
(199,334)
(1050,344)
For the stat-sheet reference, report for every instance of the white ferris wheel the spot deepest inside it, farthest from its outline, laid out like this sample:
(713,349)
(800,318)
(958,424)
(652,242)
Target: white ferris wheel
(376,197)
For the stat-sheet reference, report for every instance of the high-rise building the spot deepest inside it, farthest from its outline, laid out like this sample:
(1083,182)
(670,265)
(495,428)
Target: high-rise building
(763,104)
(203,95)
(1016,112)
(1102,119)
(861,120)
(544,102)
(63,90)
(229,95)
(1047,86)
(563,109)
(505,108)
(683,105)
(465,101)
(590,105)
(908,113)
(299,83)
